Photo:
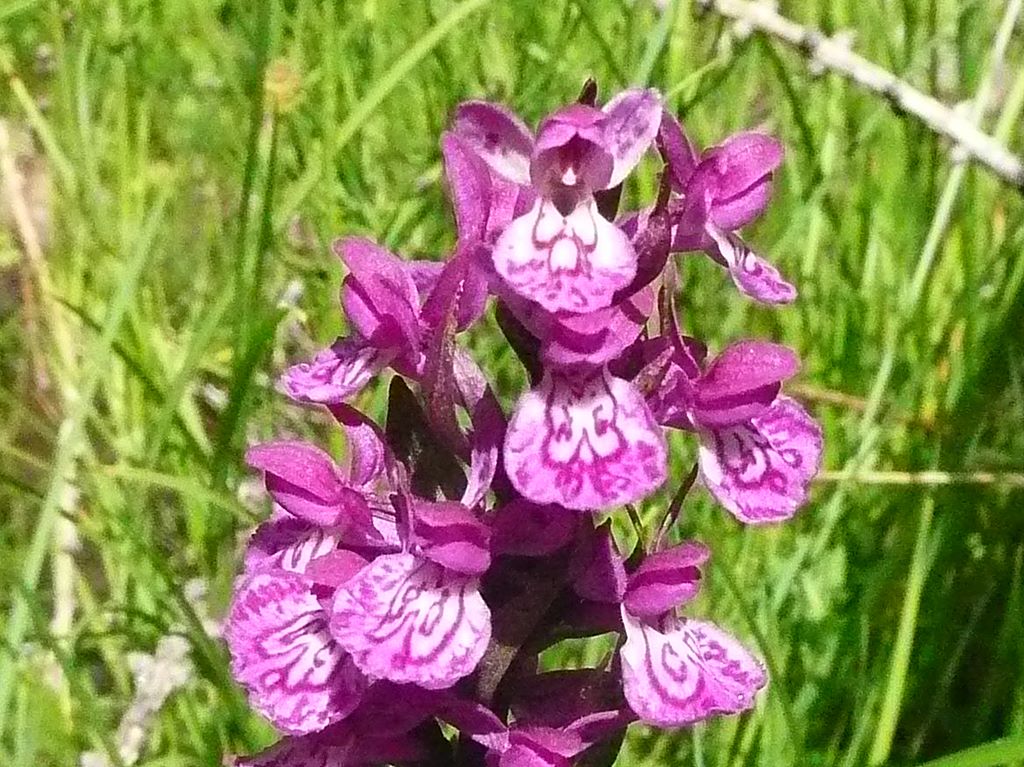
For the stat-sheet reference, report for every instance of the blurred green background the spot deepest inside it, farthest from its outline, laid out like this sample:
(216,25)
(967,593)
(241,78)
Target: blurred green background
(173,171)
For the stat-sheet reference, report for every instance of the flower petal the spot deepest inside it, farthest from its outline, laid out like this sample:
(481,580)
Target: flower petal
(282,653)
(571,263)
(498,136)
(288,543)
(305,482)
(753,275)
(336,373)
(526,529)
(678,150)
(409,620)
(598,337)
(451,535)
(340,745)
(760,470)
(687,674)
(379,295)
(665,580)
(742,382)
(630,126)
(584,442)
(739,172)
(469,185)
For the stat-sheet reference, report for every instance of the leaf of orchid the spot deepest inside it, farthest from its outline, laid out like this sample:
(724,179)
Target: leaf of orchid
(677,150)
(432,467)
(338,746)
(379,295)
(739,172)
(288,543)
(598,337)
(336,373)
(498,136)
(630,126)
(305,482)
(451,535)
(469,186)
(526,529)
(686,674)
(742,382)
(666,579)
(282,653)
(754,276)
(407,619)
(573,263)
(584,442)
(597,569)
(760,470)
(488,421)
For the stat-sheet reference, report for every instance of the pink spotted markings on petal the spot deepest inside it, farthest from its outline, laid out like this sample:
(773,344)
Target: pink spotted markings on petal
(686,674)
(584,442)
(760,470)
(573,262)
(407,619)
(283,654)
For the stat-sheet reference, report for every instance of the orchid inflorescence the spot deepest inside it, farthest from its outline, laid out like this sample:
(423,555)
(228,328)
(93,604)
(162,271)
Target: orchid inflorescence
(419,585)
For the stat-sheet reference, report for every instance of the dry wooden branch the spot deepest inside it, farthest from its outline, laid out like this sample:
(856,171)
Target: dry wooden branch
(825,53)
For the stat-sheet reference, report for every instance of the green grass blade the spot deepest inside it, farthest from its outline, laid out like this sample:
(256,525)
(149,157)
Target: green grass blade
(995,754)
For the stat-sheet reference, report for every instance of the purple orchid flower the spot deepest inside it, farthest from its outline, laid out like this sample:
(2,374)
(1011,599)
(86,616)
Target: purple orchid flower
(418,584)
(723,189)
(562,253)
(759,449)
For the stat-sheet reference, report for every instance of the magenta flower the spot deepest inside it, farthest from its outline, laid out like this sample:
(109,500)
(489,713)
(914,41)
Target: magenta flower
(562,253)
(410,590)
(722,190)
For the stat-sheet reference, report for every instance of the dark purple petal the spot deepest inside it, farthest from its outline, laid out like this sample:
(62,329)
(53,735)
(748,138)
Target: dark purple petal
(760,470)
(584,442)
(475,720)
(573,262)
(598,337)
(498,136)
(304,481)
(687,674)
(754,276)
(335,568)
(597,570)
(488,421)
(406,619)
(336,373)
(450,534)
(630,126)
(740,172)
(368,454)
(666,579)
(742,382)
(526,529)
(379,295)
(678,150)
(585,701)
(469,185)
(282,653)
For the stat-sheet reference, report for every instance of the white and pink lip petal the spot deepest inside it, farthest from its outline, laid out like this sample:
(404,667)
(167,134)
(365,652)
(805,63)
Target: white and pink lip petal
(760,470)
(282,653)
(687,674)
(572,263)
(584,443)
(408,620)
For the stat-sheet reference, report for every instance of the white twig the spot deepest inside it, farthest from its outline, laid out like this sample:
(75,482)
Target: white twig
(1009,479)
(835,55)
